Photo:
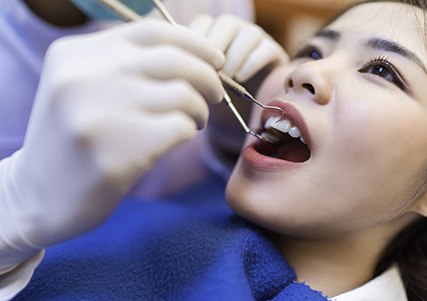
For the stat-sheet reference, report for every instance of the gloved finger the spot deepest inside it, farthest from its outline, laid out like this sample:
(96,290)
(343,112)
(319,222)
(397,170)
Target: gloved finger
(201,24)
(135,140)
(247,39)
(268,53)
(156,32)
(173,128)
(155,96)
(170,96)
(168,63)
(223,32)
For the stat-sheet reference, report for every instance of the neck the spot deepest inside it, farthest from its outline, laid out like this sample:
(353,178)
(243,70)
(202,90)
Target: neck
(336,265)
(60,13)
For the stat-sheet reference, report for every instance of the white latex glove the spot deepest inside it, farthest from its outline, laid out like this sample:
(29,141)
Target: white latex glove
(250,54)
(248,48)
(108,106)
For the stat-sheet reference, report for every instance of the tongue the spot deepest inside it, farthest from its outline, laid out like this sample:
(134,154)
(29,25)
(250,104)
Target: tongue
(294,151)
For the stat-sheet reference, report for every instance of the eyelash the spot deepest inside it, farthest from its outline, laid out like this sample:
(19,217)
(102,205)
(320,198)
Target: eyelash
(314,53)
(384,62)
(307,52)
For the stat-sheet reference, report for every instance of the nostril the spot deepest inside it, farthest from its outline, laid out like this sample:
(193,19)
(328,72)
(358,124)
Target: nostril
(291,83)
(309,87)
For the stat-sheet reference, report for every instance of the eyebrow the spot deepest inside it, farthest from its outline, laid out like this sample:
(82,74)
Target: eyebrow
(378,44)
(390,46)
(328,34)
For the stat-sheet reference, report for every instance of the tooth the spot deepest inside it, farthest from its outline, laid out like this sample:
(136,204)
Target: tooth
(302,139)
(283,125)
(270,137)
(294,132)
(276,119)
(270,122)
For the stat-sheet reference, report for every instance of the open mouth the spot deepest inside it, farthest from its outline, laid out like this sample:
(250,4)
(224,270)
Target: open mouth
(288,142)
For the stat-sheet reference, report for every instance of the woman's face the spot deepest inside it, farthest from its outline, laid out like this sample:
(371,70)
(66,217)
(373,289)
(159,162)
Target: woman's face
(358,93)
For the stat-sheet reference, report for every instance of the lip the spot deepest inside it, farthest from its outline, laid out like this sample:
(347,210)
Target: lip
(254,159)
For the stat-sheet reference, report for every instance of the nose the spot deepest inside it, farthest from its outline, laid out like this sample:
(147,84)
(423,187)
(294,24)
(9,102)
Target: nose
(314,79)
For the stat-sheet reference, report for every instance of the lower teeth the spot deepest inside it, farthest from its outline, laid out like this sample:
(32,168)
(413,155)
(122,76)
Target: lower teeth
(270,136)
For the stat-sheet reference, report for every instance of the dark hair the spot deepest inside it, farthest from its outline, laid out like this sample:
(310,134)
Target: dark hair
(409,248)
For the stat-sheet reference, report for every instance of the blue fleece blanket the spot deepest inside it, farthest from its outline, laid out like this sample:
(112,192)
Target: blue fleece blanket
(174,250)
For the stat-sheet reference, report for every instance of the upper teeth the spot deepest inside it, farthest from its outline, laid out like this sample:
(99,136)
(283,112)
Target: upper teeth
(284,126)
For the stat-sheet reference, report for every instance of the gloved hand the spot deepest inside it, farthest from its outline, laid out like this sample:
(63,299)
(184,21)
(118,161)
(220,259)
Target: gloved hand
(108,106)
(248,48)
(250,55)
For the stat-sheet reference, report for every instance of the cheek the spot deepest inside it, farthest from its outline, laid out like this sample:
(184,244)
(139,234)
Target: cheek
(380,149)
(388,135)
(273,85)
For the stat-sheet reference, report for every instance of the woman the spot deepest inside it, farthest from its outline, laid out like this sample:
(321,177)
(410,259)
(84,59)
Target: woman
(355,91)
(334,196)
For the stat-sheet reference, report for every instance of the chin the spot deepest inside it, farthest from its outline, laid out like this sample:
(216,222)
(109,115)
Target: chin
(245,199)
(266,206)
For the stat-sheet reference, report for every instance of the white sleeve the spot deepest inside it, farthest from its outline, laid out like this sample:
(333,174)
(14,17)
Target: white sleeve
(15,280)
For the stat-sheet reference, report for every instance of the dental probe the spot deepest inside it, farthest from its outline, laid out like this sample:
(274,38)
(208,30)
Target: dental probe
(127,14)
(240,91)
(227,81)
(243,123)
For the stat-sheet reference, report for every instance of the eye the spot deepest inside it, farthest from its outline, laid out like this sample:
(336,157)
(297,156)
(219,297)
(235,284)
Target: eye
(383,68)
(310,52)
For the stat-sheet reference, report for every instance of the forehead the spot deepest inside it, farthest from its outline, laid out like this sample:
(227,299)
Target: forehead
(398,22)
